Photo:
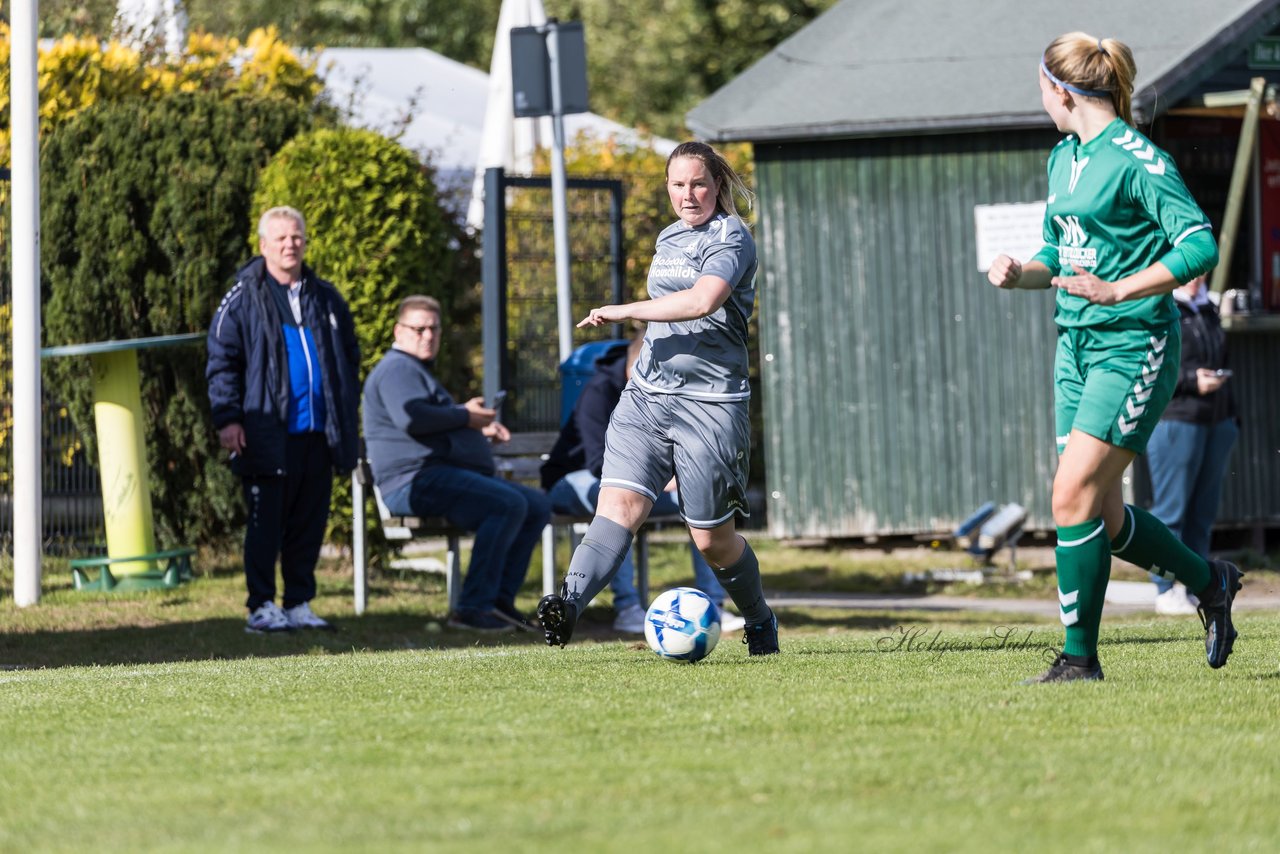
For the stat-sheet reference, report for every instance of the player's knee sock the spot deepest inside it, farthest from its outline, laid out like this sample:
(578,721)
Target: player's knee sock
(742,582)
(596,560)
(1146,541)
(1084,565)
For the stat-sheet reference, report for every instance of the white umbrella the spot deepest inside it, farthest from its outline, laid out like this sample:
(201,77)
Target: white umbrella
(141,22)
(505,140)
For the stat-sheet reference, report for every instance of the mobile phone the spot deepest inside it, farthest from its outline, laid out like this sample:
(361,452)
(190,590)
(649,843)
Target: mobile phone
(1222,372)
(498,397)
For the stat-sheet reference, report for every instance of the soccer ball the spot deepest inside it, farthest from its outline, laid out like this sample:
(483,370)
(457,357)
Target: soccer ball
(683,624)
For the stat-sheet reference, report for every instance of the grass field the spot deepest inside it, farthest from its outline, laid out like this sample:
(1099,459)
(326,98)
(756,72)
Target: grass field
(156,723)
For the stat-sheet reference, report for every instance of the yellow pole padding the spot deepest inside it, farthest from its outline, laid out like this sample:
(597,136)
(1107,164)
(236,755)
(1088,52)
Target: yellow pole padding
(122,460)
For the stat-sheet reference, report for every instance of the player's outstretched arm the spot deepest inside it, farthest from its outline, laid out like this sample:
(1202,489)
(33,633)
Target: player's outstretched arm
(705,297)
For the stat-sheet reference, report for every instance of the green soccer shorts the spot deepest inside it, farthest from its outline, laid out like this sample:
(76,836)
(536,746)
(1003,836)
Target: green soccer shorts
(1114,383)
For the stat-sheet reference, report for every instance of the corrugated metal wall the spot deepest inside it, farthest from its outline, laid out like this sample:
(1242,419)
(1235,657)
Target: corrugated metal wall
(901,390)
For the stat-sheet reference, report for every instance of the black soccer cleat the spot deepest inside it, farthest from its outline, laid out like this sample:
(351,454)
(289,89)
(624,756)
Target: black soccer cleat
(1215,611)
(762,638)
(1069,669)
(558,616)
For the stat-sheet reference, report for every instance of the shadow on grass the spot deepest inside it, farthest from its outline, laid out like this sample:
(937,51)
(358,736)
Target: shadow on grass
(225,639)
(830,580)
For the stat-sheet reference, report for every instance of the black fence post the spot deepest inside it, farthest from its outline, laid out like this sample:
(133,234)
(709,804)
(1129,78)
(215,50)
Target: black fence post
(493,303)
(617,199)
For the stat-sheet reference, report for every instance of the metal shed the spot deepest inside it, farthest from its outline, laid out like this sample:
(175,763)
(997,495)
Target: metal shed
(900,390)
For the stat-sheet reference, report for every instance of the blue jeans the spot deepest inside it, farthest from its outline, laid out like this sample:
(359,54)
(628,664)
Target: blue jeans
(1188,462)
(507,519)
(576,494)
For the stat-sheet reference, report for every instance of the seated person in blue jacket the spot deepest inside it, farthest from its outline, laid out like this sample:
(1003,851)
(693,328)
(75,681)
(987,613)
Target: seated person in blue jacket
(432,457)
(571,476)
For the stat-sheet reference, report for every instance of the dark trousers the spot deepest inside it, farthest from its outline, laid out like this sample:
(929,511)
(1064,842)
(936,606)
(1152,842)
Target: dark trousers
(287,517)
(1188,462)
(507,518)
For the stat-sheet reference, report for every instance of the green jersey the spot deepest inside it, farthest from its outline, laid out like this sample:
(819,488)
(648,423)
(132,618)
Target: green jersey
(1116,206)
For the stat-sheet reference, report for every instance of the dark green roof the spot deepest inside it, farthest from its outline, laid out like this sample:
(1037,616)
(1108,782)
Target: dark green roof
(881,67)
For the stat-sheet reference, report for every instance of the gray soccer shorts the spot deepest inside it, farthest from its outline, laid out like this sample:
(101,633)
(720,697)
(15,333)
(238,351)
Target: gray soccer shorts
(705,444)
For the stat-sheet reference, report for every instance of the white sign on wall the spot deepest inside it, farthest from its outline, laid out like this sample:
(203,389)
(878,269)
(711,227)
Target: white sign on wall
(1013,230)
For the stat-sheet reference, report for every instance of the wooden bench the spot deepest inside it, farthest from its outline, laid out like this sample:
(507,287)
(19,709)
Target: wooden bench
(519,460)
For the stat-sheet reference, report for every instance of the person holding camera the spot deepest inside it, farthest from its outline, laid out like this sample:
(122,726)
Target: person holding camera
(431,457)
(1191,446)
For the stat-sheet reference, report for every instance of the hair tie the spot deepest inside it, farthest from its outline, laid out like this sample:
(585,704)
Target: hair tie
(1103,49)
(1088,93)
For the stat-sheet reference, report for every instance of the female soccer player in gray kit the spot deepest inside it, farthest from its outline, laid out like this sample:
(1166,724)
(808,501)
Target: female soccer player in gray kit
(685,411)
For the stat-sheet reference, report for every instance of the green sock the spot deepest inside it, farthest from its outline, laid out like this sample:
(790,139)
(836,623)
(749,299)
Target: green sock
(1146,541)
(1084,565)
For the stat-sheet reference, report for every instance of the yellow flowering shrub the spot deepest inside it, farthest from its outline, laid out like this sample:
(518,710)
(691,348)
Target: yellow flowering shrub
(77,72)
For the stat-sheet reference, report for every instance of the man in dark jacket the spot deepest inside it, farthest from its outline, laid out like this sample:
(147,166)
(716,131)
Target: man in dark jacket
(431,457)
(1191,445)
(283,376)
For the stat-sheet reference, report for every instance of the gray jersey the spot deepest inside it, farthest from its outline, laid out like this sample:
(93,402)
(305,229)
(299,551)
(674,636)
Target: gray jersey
(705,358)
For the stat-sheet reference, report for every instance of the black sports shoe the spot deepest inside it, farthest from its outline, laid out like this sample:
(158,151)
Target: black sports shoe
(558,616)
(1065,670)
(509,613)
(1215,611)
(762,638)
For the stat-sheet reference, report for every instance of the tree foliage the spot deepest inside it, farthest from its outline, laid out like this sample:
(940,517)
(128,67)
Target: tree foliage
(649,61)
(144,207)
(459,29)
(76,72)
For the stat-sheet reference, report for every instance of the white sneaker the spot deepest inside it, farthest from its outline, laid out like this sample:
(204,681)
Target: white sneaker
(267,618)
(1175,601)
(729,621)
(630,620)
(302,617)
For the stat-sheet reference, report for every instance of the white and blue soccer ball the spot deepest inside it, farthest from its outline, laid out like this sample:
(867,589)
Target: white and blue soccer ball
(682,624)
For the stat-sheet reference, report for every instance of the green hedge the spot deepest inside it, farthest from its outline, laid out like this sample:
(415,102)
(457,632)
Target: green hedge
(144,209)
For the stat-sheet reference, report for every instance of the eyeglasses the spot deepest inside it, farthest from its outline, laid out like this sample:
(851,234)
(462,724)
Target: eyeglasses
(418,330)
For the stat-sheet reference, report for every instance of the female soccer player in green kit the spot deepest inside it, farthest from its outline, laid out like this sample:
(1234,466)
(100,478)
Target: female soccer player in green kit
(1121,232)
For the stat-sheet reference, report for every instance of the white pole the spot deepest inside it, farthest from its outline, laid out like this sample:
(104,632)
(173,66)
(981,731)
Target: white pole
(559,205)
(358,566)
(25,147)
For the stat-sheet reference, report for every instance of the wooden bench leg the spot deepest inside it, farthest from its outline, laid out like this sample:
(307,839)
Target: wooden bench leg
(548,560)
(453,578)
